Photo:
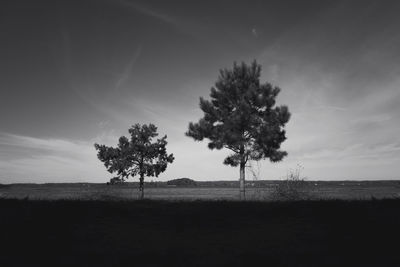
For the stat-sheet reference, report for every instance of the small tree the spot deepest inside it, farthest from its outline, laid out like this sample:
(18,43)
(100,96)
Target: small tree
(242,117)
(137,155)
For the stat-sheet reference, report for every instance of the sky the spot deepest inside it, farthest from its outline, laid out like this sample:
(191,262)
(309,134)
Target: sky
(73,73)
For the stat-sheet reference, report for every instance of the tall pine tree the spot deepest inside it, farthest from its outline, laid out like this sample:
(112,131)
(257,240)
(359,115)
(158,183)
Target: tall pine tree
(242,117)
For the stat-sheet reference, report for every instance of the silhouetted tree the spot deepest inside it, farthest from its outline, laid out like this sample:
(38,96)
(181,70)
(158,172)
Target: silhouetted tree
(137,155)
(242,117)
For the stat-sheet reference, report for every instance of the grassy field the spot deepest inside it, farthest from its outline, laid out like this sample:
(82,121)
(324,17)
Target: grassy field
(261,190)
(199,233)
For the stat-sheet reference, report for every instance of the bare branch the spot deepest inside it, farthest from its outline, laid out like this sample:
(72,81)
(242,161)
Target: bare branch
(232,148)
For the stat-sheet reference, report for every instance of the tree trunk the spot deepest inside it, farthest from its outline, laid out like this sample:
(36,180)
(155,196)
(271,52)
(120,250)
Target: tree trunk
(242,175)
(141,186)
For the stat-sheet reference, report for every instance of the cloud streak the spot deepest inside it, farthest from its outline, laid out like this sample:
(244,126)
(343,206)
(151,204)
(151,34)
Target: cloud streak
(180,26)
(48,160)
(126,74)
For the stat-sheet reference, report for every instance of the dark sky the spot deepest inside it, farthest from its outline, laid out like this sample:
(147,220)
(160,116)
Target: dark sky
(78,72)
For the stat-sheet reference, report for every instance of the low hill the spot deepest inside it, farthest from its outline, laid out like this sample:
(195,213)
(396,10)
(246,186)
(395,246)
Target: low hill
(182,182)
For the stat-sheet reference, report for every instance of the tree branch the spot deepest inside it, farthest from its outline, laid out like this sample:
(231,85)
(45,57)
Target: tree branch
(232,149)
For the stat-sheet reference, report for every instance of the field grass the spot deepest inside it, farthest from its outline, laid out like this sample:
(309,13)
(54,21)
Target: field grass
(199,233)
(262,190)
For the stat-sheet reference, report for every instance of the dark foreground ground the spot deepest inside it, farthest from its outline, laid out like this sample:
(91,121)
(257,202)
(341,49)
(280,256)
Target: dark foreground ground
(199,233)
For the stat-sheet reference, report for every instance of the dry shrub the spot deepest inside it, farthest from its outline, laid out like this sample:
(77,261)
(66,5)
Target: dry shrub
(295,187)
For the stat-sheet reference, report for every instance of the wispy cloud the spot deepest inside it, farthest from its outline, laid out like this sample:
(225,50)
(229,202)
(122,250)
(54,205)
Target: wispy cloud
(38,143)
(254,32)
(150,12)
(195,29)
(159,15)
(126,74)
(48,160)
